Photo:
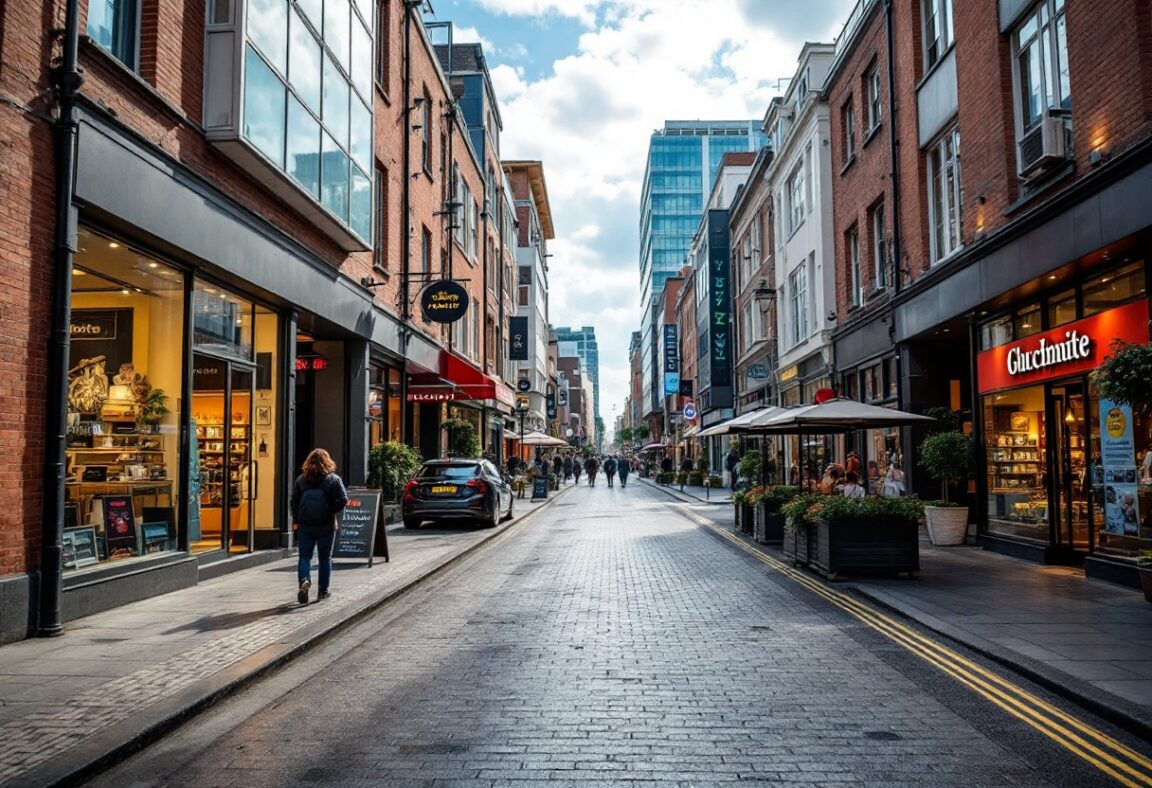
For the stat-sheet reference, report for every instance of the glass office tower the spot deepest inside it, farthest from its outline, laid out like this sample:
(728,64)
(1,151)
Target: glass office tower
(683,158)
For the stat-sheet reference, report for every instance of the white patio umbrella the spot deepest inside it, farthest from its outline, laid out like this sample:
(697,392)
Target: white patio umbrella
(833,416)
(736,424)
(535,438)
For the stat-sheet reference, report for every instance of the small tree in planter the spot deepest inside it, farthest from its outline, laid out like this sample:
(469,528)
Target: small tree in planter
(462,438)
(1126,376)
(390,465)
(947,456)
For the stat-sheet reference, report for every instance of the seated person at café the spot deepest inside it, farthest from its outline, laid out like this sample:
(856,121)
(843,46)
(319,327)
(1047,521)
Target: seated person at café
(852,487)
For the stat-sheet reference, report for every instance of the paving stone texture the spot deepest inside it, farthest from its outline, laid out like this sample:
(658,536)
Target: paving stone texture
(57,694)
(614,642)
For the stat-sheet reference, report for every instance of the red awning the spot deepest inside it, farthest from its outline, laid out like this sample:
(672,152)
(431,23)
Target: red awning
(458,380)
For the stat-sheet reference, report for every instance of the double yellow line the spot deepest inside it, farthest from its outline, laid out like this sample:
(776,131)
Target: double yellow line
(1110,756)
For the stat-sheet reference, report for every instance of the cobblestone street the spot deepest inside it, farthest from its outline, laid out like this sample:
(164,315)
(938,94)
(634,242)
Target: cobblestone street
(611,640)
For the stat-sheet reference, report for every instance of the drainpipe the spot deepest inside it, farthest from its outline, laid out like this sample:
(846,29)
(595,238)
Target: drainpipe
(406,435)
(66,81)
(893,147)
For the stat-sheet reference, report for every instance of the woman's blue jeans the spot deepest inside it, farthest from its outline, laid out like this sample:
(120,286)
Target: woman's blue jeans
(320,541)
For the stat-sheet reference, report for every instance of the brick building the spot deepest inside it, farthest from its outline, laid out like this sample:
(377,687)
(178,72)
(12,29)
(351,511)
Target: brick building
(249,210)
(1038,230)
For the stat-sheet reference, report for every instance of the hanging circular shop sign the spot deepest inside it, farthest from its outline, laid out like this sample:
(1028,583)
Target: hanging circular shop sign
(523,385)
(444,301)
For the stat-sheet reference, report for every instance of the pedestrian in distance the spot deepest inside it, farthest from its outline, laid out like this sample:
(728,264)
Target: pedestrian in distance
(685,465)
(557,464)
(610,466)
(732,464)
(666,464)
(567,466)
(318,495)
(591,466)
(852,487)
(623,467)
(575,471)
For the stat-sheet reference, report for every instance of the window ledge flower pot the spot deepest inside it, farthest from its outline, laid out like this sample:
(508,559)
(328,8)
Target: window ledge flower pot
(769,525)
(947,525)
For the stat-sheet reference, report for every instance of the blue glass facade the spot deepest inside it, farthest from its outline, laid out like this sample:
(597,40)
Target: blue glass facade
(683,159)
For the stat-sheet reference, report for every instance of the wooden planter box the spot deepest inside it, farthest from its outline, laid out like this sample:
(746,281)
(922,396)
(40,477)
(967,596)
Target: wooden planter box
(745,518)
(796,542)
(1146,582)
(845,547)
(769,526)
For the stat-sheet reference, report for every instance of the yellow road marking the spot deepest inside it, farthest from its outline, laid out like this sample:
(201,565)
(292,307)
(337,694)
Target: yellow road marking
(1112,757)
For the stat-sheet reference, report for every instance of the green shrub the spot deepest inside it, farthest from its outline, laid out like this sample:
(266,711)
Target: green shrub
(390,465)
(666,477)
(715,481)
(1125,376)
(462,438)
(948,457)
(804,510)
(778,495)
(702,466)
(695,479)
(750,466)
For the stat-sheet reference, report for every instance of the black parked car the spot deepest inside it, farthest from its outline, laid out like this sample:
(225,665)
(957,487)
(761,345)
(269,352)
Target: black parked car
(457,489)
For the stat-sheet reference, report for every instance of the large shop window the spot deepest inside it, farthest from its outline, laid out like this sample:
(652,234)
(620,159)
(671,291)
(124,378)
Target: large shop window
(1017,477)
(125,372)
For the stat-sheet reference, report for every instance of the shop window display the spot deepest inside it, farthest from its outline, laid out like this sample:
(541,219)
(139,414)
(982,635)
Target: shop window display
(1015,436)
(1121,468)
(125,372)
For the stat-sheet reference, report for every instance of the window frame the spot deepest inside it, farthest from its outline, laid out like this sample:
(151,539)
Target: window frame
(940,13)
(135,18)
(848,120)
(796,208)
(1047,16)
(874,94)
(945,197)
(380,206)
(855,280)
(879,250)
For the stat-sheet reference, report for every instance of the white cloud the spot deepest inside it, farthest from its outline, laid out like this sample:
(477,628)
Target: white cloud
(470,35)
(590,120)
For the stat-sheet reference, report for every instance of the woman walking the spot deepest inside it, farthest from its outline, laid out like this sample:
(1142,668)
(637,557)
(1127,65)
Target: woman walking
(317,497)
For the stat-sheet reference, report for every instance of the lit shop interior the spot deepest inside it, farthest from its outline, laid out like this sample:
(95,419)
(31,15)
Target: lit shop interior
(1064,468)
(126,370)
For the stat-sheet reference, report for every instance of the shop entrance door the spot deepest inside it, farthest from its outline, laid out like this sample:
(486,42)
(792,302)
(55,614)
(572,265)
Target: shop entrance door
(222,392)
(1070,483)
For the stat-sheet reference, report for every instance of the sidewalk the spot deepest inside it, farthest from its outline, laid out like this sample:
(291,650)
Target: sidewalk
(694,494)
(1085,639)
(119,679)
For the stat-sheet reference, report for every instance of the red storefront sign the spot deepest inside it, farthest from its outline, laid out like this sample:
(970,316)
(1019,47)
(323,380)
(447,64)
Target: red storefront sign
(1072,349)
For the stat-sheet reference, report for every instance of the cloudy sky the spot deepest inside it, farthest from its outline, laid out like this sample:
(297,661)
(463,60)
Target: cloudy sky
(583,83)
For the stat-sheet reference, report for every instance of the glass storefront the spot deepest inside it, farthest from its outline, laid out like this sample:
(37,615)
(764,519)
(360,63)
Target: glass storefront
(124,491)
(1063,468)
(125,371)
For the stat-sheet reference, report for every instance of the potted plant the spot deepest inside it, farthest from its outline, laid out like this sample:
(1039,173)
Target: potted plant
(462,438)
(741,510)
(947,456)
(842,535)
(1125,377)
(390,465)
(151,409)
(797,521)
(1144,565)
(693,479)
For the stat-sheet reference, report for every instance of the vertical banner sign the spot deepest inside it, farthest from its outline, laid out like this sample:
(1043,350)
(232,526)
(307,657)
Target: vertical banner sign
(671,359)
(1118,458)
(720,309)
(518,339)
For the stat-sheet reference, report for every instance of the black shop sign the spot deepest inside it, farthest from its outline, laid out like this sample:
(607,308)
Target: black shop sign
(359,524)
(444,301)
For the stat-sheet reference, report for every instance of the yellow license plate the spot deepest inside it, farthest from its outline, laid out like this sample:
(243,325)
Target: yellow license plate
(444,488)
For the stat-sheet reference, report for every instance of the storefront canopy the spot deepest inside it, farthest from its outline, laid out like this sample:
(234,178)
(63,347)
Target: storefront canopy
(833,416)
(654,446)
(458,380)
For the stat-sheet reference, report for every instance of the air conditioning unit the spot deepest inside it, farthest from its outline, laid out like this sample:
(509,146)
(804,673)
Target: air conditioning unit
(1045,146)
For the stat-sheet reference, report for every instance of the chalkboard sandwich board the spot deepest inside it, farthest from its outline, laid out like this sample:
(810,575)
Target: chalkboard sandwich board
(539,487)
(358,525)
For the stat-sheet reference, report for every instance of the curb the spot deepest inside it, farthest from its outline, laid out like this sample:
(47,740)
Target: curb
(683,496)
(1123,714)
(1127,716)
(92,757)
